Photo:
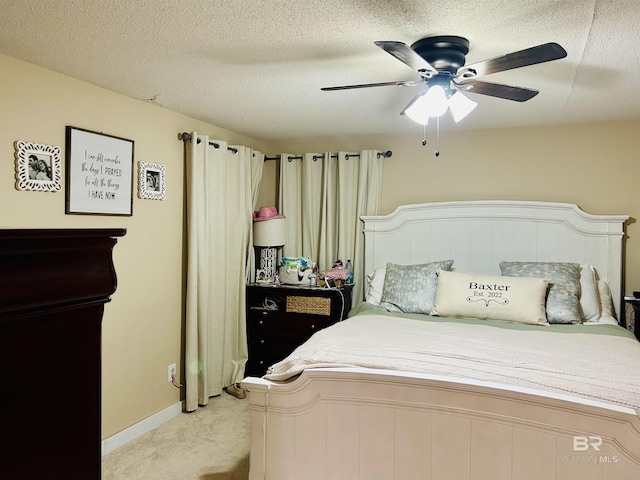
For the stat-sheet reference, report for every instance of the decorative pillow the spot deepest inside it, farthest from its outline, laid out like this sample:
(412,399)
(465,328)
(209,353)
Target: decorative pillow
(608,314)
(375,284)
(563,304)
(589,296)
(513,299)
(411,288)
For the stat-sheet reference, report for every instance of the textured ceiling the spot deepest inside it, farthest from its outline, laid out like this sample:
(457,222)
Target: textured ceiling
(256,67)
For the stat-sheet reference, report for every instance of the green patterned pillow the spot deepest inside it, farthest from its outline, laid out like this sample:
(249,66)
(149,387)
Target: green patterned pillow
(411,288)
(563,301)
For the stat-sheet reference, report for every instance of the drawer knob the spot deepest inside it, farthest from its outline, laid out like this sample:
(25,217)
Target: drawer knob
(313,327)
(261,341)
(260,322)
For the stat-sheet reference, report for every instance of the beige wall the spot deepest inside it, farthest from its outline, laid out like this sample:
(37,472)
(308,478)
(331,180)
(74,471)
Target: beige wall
(595,165)
(142,323)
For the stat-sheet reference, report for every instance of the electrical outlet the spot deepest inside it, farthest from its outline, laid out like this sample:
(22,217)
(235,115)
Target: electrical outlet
(171,370)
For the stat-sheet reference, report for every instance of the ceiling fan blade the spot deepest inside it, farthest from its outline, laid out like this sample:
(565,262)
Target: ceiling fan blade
(411,83)
(517,94)
(407,55)
(530,56)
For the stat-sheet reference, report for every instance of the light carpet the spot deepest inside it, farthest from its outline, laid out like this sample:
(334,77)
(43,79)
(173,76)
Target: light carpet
(211,443)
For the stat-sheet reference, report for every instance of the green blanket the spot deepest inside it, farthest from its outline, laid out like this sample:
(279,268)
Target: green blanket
(604,329)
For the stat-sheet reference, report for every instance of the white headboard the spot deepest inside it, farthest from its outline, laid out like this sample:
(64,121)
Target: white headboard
(478,234)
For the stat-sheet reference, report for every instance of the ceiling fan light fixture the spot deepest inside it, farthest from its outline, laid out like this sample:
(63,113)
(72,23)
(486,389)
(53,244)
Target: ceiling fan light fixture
(430,103)
(461,106)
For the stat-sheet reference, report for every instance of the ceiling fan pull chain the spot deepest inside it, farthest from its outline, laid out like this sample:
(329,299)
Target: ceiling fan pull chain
(437,136)
(424,135)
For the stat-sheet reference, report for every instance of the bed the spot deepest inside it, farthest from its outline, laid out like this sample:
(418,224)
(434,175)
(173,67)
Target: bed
(437,388)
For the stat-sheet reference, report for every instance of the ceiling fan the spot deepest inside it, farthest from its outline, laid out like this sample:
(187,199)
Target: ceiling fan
(440,62)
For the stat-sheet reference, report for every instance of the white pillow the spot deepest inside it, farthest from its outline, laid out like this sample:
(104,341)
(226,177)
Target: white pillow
(514,299)
(608,314)
(605,321)
(375,284)
(589,296)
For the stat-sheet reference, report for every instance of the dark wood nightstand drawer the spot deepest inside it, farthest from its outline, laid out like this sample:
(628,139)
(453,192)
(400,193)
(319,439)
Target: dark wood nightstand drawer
(290,324)
(269,349)
(275,346)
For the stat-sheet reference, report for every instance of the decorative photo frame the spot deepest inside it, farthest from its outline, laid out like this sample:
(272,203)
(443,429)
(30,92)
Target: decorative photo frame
(99,173)
(37,167)
(151,181)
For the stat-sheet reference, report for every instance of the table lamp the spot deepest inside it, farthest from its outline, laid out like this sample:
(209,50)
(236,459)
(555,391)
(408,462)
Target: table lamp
(269,230)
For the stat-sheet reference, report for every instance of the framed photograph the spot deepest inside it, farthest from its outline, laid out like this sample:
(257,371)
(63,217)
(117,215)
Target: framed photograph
(37,167)
(151,181)
(99,173)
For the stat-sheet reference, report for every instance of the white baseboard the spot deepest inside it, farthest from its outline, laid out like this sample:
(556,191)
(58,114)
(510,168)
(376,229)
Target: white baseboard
(125,436)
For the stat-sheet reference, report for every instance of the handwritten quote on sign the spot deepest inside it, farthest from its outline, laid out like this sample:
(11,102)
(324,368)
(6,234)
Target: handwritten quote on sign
(101,174)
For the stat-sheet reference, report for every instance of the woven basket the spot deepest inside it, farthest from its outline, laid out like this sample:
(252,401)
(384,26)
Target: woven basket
(311,305)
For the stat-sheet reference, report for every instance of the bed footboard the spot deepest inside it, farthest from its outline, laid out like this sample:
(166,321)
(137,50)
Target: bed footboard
(374,424)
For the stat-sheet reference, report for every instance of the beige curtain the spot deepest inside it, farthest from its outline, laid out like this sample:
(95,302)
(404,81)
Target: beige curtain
(323,197)
(222,182)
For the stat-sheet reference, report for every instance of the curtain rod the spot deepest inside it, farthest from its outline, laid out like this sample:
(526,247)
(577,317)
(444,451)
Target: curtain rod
(386,154)
(185,137)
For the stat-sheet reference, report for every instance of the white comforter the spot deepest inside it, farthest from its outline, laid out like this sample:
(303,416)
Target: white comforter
(597,367)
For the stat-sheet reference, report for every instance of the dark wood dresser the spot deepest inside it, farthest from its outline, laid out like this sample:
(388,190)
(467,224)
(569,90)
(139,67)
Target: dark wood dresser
(280,318)
(53,287)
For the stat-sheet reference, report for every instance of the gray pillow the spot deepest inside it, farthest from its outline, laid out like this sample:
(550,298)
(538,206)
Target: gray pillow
(411,288)
(563,300)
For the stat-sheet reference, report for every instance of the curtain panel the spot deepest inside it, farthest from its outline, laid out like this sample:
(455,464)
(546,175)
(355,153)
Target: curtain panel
(221,185)
(323,196)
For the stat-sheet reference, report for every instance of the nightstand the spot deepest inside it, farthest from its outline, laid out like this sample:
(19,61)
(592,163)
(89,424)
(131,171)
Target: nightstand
(280,318)
(635,303)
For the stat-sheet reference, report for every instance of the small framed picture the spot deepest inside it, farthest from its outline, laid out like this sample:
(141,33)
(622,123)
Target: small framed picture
(261,276)
(151,181)
(37,167)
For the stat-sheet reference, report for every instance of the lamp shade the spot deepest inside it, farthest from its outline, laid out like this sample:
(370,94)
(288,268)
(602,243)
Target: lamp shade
(269,233)
(461,106)
(415,110)
(435,101)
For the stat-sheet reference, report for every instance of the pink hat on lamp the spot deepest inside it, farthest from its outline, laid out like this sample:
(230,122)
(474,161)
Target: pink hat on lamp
(266,213)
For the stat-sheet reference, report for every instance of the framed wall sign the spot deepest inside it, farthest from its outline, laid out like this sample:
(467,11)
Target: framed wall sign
(99,173)
(37,167)
(151,180)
